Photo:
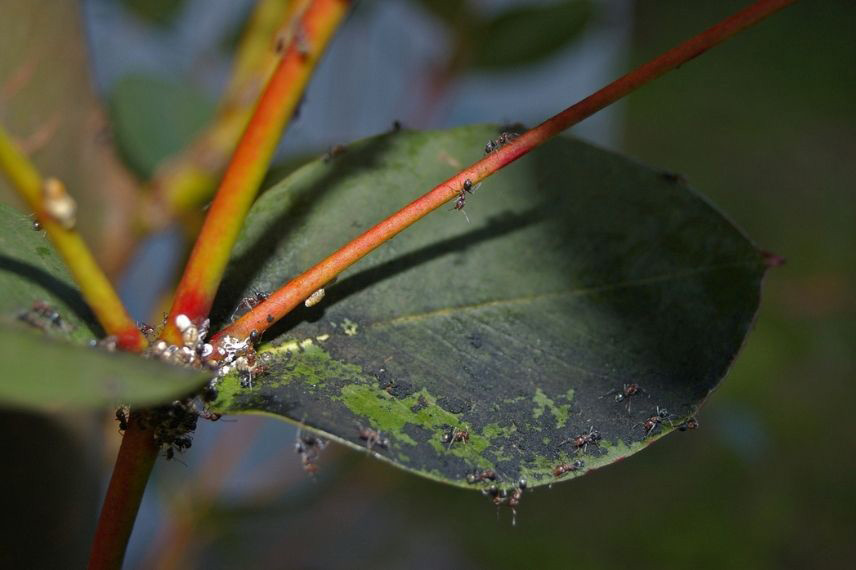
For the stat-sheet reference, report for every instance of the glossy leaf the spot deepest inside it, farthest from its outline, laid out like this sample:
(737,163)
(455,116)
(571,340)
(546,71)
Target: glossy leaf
(44,321)
(527,34)
(579,271)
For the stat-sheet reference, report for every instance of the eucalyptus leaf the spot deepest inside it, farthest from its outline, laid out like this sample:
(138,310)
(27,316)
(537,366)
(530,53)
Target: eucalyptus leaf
(575,271)
(44,373)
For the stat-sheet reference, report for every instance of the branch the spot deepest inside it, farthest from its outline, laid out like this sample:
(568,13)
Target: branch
(55,211)
(183,182)
(282,301)
(204,270)
(134,464)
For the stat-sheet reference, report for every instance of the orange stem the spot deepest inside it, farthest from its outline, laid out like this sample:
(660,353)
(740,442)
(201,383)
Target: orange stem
(134,464)
(240,183)
(298,289)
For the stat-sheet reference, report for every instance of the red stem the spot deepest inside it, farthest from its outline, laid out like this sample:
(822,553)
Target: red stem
(134,464)
(281,302)
(245,171)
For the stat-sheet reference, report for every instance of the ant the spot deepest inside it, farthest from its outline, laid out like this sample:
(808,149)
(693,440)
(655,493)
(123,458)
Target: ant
(248,304)
(504,138)
(456,434)
(467,188)
(583,440)
(122,418)
(626,393)
(309,447)
(689,424)
(560,470)
(651,423)
(372,438)
(479,476)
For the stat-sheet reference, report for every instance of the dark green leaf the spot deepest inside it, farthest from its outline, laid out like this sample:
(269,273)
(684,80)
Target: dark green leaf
(579,271)
(155,118)
(527,34)
(43,373)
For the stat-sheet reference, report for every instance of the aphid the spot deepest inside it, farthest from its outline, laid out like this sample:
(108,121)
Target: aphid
(583,440)
(37,226)
(373,438)
(651,423)
(254,336)
(456,435)
(314,298)
(396,126)
(522,484)
(626,393)
(560,470)
(248,304)
(479,476)
(301,42)
(690,423)
(58,204)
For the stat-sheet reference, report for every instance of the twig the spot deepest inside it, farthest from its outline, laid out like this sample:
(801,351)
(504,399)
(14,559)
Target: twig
(281,96)
(58,221)
(282,301)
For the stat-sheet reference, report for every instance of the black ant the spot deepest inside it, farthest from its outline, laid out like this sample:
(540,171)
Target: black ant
(560,470)
(689,424)
(467,188)
(249,303)
(122,418)
(456,434)
(503,139)
(651,423)
(583,440)
(372,438)
(479,476)
(626,393)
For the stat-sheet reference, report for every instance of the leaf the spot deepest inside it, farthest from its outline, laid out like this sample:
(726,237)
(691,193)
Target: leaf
(32,272)
(44,373)
(47,102)
(45,367)
(155,118)
(527,34)
(580,271)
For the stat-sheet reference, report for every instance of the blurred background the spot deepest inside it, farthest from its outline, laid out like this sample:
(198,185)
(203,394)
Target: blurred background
(765,126)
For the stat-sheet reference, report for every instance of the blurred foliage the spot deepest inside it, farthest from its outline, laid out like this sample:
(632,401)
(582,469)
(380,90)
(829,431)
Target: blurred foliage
(47,102)
(155,118)
(516,36)
(158,12)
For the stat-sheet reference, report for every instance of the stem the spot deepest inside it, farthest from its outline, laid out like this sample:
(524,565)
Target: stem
(298,289)
(94,285)
(204,270)
(183,182)
(134,464)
